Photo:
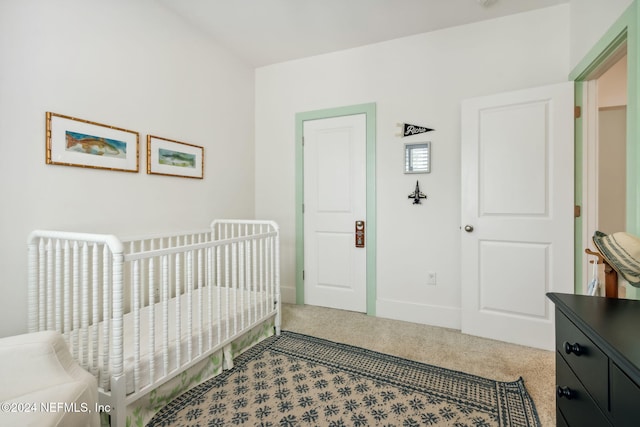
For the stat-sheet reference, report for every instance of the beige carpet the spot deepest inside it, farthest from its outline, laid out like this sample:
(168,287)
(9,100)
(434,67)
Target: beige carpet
(442,347)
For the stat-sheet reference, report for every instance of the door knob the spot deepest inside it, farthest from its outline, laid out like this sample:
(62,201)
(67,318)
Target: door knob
(468,228)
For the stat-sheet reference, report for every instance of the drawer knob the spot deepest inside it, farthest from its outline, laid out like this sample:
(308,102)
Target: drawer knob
(573,348)
(565,392)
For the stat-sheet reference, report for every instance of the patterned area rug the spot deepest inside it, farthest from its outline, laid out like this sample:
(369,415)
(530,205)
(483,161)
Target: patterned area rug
(298,380)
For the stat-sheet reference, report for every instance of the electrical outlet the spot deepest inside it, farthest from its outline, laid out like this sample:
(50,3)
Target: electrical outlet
(431,278)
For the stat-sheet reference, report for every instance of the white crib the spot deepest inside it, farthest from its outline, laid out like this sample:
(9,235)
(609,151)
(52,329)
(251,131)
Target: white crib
(139,313)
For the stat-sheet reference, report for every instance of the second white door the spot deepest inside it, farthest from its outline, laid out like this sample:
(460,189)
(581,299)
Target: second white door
(517,212)
(334,199)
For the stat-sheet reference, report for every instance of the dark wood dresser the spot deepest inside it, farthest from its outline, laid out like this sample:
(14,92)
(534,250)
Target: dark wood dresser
(597,361)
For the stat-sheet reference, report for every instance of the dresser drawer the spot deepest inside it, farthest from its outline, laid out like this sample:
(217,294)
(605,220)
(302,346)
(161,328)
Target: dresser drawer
(560,422)
(588,362)
(625,399)
(572,400)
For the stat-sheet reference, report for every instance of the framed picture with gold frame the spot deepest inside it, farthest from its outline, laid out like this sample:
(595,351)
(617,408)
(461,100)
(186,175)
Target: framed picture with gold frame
(174,158)
(76,142)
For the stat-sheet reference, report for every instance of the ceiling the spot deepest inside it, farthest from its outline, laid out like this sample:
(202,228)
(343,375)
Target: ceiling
(263,32)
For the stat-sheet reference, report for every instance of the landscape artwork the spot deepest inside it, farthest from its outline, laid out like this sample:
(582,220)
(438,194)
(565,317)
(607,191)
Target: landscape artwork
(176,158)
(89,144)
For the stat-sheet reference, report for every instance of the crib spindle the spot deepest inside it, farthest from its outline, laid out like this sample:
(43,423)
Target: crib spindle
(241,284)
(262,274)
(218,294)
(268,273)
(200,301)
(66,284)
(189,267)
(209,285)
(42,290)
(178,276)
(254,272)
(95,308)
(106,313)
(84,309)
(151,320)
(227,285)
(234,284)
(76,301)
(32,287)
(49,295)
(136,323)
(165,313)
(58,285)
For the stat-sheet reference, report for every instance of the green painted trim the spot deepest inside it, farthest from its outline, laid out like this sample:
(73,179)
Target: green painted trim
(299,216)
(614,38)
(633,136)
(371,231)
(625,29)
(372,225)
(578,170)
(633,115)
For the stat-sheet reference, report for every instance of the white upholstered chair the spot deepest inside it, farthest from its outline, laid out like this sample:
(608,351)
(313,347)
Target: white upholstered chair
(41,384)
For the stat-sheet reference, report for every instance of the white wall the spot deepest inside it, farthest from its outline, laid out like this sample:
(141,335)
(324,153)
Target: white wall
(421,80)
(130,64)
(612,169)
(612,151)
(590,20)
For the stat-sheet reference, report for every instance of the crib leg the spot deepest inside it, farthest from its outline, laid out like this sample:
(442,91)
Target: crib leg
(278,319)
(118,411)
(117,417)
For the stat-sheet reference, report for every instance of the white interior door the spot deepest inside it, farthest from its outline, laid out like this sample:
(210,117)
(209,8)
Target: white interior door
(334,199)
(517,212)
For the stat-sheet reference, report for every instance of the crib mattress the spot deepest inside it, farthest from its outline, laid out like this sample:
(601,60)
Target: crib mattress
(231,313)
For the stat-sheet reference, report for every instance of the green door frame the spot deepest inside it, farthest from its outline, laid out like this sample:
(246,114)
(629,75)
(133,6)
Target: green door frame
(625,29)
(370,238)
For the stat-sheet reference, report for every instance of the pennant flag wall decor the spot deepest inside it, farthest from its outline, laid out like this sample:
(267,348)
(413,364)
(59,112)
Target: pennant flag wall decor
(407,129)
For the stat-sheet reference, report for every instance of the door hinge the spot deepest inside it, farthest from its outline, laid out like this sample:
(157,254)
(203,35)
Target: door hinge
(302,274)
(577,112)
(576,211)
(303,208)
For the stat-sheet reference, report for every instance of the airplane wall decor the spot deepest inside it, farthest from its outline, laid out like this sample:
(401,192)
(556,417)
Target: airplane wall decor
(417,195)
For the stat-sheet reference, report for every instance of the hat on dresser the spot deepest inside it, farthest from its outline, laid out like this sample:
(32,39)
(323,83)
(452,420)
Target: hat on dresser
(622,252)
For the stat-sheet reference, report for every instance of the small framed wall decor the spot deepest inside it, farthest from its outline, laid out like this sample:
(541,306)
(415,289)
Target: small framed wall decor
(174,158)
(76,142)
(417,157)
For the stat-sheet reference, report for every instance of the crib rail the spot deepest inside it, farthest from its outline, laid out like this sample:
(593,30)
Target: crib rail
(170,300)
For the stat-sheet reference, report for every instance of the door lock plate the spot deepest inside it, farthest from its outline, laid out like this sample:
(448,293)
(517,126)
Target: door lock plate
(359,234)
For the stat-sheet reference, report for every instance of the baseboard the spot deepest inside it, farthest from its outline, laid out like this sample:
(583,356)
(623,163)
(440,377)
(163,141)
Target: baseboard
(434,315)
(288,295)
